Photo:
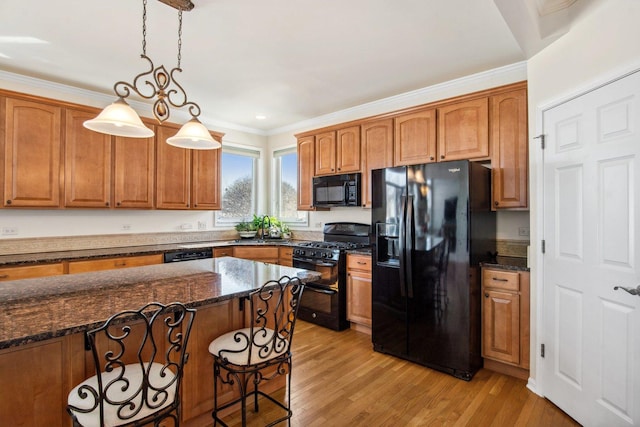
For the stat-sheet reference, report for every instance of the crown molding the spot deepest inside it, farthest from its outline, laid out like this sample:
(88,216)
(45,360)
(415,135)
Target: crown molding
(475,82)
(472,83)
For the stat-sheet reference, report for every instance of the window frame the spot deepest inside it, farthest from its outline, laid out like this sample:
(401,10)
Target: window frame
(276,185)
(254,154)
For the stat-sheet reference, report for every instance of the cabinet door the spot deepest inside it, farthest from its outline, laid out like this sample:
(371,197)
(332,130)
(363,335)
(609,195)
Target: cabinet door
(501,326)
(306,164)
(377,152)
(510,151)
(348,150)
(205,181)
(32,153)
(359,297)
(285,256)
(173,174)
(87,163)
(463,130)
(325,153)
(415,138)
(134,172)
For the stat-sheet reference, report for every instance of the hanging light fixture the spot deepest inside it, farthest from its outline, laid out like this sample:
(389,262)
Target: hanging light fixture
(121,120)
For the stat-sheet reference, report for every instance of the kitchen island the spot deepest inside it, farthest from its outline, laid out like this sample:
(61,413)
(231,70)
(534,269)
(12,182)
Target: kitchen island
(42,324)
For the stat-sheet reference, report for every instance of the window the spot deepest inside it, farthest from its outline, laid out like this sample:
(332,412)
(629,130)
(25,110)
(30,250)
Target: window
(285,193)
(239,194)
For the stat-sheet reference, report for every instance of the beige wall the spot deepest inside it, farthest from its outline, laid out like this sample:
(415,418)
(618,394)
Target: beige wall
(602,44)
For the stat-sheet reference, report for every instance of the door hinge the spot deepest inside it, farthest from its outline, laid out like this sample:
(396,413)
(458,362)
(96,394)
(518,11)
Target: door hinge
(542,350)
(544,246)
(541,138)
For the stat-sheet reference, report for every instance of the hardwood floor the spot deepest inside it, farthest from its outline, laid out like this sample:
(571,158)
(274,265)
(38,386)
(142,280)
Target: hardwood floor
(338,380)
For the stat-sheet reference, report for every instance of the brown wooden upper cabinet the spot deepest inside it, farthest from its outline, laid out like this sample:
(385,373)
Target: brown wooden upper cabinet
(186,179)
(377,152)
(306,163)
(415,138)
(206,178)
(32,139)
(173,171)
(87,162)
(134,172)
(463,130)
(510,151)
(338,151)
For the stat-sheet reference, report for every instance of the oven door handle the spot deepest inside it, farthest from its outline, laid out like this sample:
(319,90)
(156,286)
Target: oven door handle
(319,290)
(314,262)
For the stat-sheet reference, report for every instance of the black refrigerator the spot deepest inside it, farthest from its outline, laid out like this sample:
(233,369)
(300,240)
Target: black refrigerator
(432,227)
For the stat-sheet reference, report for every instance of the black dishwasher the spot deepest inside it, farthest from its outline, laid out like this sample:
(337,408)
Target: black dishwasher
(188,255)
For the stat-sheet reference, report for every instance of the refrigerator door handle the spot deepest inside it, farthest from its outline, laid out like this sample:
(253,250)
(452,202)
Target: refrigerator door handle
(410,229)
(402,242)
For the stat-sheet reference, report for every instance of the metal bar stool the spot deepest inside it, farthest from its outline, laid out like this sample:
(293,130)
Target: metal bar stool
(139,357)
(243,356)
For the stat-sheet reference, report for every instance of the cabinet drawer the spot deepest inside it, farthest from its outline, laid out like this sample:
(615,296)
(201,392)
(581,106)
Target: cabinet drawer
(359,262)
(256,252)
(113,263)
(508,280)
(220,252)
(31,271)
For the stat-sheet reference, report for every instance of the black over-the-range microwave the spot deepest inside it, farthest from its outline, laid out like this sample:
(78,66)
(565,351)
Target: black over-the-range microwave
(337,190)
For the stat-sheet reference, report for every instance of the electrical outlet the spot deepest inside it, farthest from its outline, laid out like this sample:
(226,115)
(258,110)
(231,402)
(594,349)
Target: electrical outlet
(126,227)
(186,226)
(202,225)
(523,231)
(318,225)
(9,231)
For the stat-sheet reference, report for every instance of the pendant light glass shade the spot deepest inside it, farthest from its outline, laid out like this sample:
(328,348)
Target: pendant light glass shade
(121,120)
(195,136)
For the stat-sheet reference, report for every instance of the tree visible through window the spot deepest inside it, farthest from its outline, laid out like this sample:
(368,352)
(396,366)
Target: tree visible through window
(238,185)
(285,188)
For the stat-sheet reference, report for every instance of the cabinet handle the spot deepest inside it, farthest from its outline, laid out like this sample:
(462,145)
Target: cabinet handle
(339,169)
(4,276)
(432,158)
(117,203)
(442,156)
(107,204)
(486,295)
(362,263)
(8,202)
(497,279)
(496,203)
(121,264)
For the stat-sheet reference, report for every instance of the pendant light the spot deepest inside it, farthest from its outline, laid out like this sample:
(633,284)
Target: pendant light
(121,120)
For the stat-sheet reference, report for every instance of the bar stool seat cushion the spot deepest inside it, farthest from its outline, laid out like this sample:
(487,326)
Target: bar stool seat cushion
(121,391)
(234,346)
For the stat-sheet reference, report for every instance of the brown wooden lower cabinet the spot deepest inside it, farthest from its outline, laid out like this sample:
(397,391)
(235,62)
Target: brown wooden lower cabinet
(113,263)
(505,321)
(257,253)
(359,292)
(30,271)
(285,256)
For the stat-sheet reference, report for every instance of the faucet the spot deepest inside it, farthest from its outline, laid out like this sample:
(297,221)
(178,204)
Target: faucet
(262,221)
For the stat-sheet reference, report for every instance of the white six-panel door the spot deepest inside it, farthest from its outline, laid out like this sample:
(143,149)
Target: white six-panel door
(591,332)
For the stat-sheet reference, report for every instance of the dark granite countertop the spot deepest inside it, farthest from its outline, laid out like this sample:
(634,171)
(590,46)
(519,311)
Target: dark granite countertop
(53,257)
(507,263)
(39,309)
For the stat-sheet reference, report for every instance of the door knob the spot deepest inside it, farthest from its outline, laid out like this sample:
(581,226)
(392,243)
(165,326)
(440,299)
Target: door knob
(632,291)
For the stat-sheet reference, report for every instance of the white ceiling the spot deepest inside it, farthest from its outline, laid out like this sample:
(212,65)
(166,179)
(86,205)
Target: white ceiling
(291,60)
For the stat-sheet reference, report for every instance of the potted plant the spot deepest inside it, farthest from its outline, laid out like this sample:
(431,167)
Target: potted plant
(286,231)
(246,229)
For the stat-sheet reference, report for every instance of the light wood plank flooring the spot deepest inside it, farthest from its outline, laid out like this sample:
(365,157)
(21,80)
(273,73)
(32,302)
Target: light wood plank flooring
(338,380)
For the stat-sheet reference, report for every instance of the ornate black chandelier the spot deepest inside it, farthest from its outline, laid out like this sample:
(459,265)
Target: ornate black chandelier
(159,84)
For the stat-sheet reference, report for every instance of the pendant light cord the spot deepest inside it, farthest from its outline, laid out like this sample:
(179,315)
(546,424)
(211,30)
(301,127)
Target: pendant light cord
(144,31)
(144,27)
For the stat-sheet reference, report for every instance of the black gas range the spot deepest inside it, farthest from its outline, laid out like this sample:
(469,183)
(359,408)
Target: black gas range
(324,301)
